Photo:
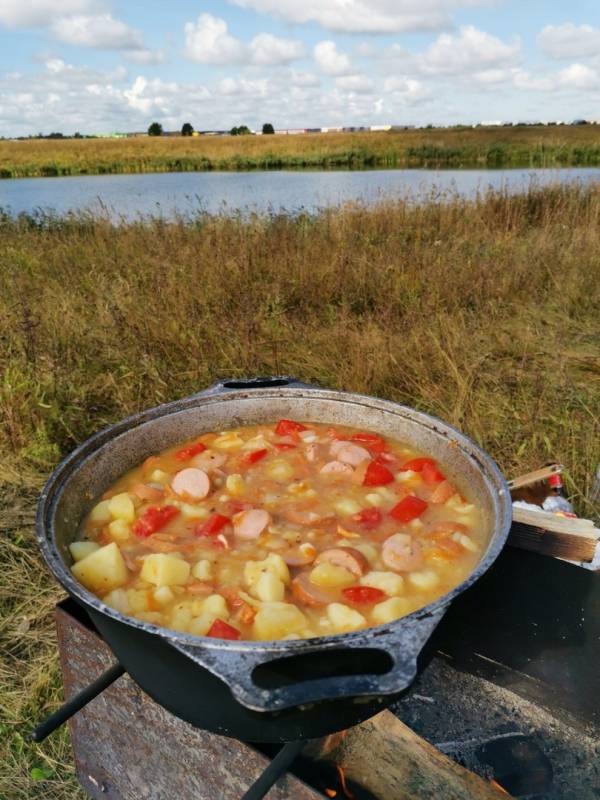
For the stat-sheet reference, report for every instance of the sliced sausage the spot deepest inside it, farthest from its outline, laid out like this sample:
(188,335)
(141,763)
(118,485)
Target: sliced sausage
(300,556)
(352,454)
(250,524)
(337,445)
(208,460)
(448,526)
(442,492)
(336,468)
(402,553)
(309,594)
(312,452)
(191,483)
(347,557)
(146,491)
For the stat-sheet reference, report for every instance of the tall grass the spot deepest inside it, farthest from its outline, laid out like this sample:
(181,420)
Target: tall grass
(459,147)
(484,313)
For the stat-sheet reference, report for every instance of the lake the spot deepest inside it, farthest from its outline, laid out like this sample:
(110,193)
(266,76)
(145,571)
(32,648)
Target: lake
(168,194)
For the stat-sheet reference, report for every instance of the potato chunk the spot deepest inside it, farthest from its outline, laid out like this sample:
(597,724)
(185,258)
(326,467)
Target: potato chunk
(216,605)
(389,582)
(389,610)
(280,470)
(272,563)
(119,530)
(202,570)
(330,575)
(276,620)
(343,618)
(165,570)
(100,513)
(268,588)
(102,570)
(121,507)
(80,550)
(424,579)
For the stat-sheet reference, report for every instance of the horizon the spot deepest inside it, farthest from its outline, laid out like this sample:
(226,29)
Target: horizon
(95,66)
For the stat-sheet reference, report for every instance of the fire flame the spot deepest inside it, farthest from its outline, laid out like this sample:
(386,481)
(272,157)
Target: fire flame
(499,787)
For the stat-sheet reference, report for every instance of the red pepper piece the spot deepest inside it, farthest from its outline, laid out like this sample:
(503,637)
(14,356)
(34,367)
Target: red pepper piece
(221,630)
(431,474)
(212,526)
(416,464)
(363,594)
(377,475)
(254,456)
(287,427)
(188,452)
(408,509)
(368,517)
(374,443)
(153,519)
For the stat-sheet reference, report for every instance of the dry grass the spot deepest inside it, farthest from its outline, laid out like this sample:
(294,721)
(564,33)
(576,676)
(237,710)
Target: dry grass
(457,147)
(484,313)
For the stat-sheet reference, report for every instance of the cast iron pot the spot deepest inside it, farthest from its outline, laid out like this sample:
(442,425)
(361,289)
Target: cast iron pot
(264,691)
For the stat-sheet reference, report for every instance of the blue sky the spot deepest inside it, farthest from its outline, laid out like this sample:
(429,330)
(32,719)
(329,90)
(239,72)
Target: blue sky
(104,65)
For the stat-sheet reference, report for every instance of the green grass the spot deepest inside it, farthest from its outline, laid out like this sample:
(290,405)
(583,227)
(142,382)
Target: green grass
(520,146)
(484,313)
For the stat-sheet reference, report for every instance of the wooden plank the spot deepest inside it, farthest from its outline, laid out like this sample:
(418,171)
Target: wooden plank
(552,543)
(385,757)
(554,522)
(534,477)
(127,747)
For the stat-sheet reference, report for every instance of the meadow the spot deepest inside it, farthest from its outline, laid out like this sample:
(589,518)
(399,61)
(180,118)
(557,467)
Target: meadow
(484,313)
(519,146)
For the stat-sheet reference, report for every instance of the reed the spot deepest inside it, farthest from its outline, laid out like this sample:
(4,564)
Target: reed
(484,313)
(521,146)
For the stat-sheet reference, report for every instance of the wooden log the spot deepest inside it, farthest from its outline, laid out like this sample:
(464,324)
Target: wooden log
(387,759)
(549,534)
(534,477)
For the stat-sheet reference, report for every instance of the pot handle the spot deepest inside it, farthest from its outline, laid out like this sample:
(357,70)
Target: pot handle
(397,648)
(248,384)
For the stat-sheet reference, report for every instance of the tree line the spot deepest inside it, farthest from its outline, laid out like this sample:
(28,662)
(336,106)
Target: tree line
(187,129)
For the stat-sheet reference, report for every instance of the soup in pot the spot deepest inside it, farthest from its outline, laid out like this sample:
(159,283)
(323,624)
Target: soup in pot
(282,531)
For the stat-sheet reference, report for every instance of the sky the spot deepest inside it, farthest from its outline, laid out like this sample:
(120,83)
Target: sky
(108,65)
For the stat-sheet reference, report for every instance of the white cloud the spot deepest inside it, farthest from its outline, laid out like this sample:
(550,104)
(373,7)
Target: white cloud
(406,90)
(363,16)
(330,60)
(266,49)
(579,76)
(147,57)
(242,86)
(208,41)
(40,13)
(304,79)
(355,83)
(569,41)
(469,51)
(101,31)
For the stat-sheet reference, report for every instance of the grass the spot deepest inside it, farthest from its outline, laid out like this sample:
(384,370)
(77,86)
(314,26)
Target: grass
(483,312)
(520,146)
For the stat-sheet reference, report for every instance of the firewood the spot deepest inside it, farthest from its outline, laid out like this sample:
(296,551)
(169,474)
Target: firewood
(391,762)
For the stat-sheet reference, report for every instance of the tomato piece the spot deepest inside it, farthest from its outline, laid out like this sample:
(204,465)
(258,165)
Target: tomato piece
(408,509)
(373,442)
(377,475)
(212,526)
(416,464)
(285,446)
(222,630)
(431,474)
(153,519)
(368,517)
(287,427)
(363,594)
(188,452)
(254,456)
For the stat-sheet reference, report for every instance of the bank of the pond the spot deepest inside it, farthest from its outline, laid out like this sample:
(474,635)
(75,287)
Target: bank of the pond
(519,146)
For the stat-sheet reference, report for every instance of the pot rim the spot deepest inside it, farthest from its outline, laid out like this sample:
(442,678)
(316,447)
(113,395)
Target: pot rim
(219,393)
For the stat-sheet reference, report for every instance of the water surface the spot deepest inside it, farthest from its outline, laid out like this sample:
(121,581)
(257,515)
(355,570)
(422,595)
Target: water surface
(168,194)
